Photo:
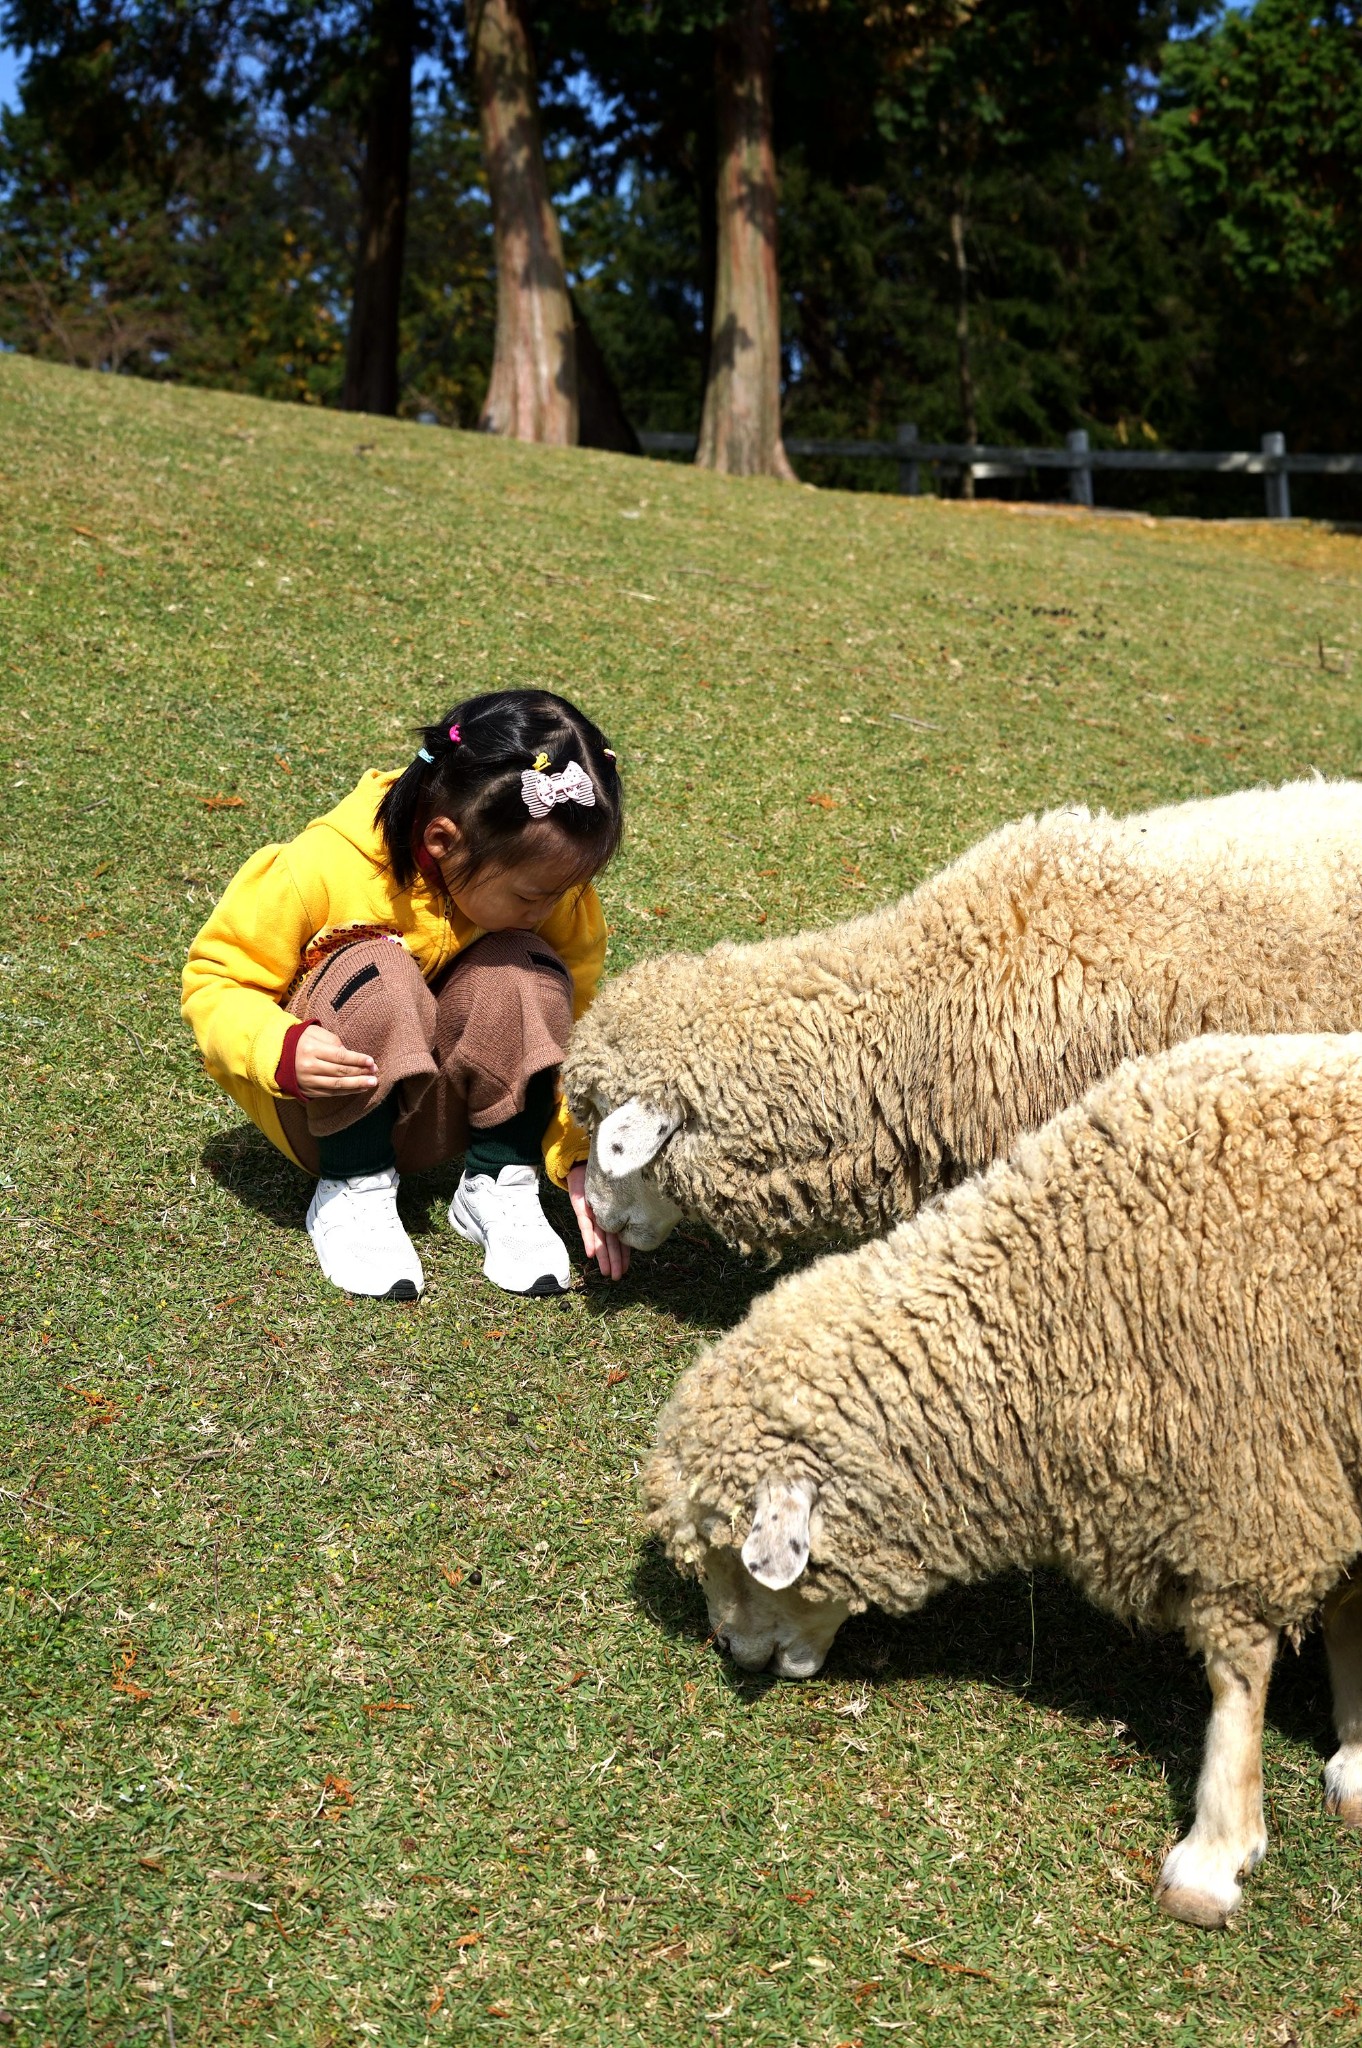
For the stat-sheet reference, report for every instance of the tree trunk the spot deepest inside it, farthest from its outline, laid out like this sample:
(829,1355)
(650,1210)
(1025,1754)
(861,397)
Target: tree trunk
(968,413)
(740,424)
(372,346)
(533,392)
(602,421)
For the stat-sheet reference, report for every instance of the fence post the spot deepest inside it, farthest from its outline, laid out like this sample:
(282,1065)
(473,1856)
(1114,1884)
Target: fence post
(910,482)
(1276,482)
(1080,476)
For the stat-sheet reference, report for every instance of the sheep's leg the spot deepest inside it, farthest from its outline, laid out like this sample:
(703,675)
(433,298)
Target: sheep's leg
(1343,1640)
(1199,1879)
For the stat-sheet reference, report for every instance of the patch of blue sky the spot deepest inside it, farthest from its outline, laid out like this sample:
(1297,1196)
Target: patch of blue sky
(9,77)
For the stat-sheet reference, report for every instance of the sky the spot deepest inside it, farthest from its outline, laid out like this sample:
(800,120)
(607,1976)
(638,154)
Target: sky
(7,73)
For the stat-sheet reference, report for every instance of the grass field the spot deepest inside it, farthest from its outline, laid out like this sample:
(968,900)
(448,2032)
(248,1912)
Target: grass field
(345,1699)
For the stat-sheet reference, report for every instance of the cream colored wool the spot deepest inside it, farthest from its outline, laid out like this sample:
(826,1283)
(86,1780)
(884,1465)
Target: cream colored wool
(1133,1351)
(827,1083)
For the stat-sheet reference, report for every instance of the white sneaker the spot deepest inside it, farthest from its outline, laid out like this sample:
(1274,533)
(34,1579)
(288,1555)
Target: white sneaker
(358,1237)
(525,1254)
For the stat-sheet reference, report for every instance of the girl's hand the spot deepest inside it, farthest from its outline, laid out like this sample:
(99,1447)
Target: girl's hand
(611,1253)
(323,1066)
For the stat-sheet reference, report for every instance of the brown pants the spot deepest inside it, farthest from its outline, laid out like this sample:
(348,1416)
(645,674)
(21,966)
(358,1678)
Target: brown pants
(460,1053)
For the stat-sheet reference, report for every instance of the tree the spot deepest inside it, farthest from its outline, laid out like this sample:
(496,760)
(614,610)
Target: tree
(1259,139)
(740,431)
(532,395)
(142,226)
(371,348)
(347,65)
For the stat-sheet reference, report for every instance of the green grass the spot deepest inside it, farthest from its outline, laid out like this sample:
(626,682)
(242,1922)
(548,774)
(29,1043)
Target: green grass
(242,1514)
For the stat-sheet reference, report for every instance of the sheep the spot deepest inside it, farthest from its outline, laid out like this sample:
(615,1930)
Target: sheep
(822,1086)
(1132,1350)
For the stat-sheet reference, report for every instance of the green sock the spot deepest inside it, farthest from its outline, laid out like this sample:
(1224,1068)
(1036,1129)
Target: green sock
(364,1147)
(520,1140)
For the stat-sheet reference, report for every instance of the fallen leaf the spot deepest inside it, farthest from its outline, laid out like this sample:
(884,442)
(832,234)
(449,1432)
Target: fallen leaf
(800,1898)
(102,869)
(468,1940)
(568,1684)
(389,1707)
(85,532)
(123,1664)
(823,803)
(661,910)
(223,803)
(500,2012)
(436,2002)
(150,1863)
(671,1951)
(455,1578)
(912,1955)
(621,1372)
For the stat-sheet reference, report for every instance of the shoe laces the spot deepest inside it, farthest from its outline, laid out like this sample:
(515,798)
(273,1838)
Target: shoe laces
(513,1206)
(375,1196)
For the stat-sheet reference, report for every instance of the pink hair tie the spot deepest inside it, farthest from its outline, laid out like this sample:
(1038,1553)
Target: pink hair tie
(454,736)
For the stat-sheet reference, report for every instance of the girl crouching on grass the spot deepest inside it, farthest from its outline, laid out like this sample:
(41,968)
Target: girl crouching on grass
(396,987)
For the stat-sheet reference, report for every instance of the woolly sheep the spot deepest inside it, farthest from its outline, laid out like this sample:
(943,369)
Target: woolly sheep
(1132,1351)
(824,1085)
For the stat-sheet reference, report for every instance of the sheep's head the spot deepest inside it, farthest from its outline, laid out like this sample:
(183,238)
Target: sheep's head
(691,1077)
(760,1610)
(766,1607)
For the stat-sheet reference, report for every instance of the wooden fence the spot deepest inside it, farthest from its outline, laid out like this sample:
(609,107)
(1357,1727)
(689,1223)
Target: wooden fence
(1272,462)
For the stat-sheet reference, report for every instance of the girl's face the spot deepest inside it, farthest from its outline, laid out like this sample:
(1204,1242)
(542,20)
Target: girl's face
(513,899)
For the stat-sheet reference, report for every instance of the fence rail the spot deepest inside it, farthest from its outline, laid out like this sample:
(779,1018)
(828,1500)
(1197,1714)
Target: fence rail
(1271,461)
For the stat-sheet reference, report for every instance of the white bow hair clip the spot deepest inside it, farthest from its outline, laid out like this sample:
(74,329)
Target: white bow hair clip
(571,785)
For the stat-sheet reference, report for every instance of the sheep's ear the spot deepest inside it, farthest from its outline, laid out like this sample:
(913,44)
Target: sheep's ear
(777,1550)
(630,1136)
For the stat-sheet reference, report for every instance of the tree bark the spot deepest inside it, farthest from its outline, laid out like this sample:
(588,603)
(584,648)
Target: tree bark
(740,424)
(532,395)
(602,421)
(968,413)
(371,351)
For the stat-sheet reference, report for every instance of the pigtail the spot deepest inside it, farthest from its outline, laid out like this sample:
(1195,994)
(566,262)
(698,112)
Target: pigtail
(399,818)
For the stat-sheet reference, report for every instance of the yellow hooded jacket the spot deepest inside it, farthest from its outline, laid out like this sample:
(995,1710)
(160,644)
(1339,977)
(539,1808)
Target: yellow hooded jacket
(248,955)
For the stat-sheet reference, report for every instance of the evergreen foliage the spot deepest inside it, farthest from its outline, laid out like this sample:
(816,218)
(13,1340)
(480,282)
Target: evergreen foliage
(1019,216)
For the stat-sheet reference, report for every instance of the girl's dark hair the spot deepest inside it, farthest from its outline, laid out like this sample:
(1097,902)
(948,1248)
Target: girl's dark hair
(475,780)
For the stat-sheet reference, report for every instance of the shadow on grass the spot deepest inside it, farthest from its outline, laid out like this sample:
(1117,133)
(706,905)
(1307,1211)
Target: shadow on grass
(1039,1640)
(697,1281)
(244,1163)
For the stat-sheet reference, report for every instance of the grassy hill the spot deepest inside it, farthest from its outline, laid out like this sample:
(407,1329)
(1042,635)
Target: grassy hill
(347,1701)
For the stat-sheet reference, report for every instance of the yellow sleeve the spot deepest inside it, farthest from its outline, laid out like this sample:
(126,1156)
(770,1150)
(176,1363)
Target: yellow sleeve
(240,965)
(576,931)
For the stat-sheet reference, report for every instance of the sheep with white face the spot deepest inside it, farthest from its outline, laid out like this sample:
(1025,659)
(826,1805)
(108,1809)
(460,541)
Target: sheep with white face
(1131,1351)
(821,1087)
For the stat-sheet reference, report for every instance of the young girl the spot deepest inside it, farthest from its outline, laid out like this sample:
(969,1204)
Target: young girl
(396,986)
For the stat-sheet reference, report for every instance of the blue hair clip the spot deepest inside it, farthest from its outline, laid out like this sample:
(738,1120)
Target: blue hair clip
(422,755)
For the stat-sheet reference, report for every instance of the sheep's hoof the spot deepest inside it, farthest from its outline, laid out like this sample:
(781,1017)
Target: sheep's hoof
(1197,1882)
(1197,1909)
(1343,1788)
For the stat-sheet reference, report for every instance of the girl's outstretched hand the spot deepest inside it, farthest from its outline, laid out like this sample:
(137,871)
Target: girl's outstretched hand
(611,1253)
(323,1066)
